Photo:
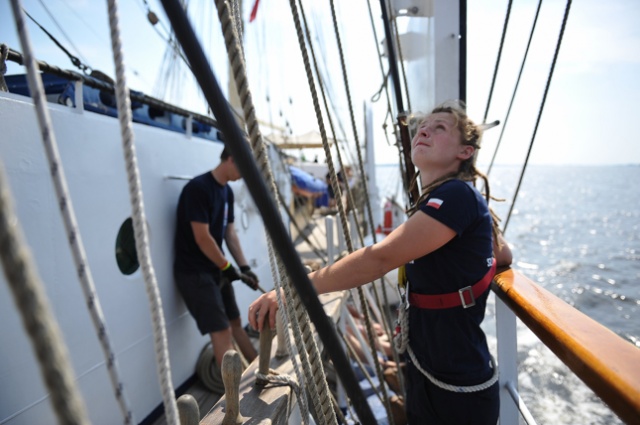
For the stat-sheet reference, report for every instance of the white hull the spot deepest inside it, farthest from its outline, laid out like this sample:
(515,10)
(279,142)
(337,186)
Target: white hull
(93,161)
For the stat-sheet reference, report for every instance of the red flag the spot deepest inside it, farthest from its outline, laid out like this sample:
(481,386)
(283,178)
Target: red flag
(254,11)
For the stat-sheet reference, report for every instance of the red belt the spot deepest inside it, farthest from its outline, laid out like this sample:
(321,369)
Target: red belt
(465,297)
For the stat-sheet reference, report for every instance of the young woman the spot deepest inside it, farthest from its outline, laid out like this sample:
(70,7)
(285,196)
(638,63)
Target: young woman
(450,246)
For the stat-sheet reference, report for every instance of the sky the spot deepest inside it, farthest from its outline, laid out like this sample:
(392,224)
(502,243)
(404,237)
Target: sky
(590,108)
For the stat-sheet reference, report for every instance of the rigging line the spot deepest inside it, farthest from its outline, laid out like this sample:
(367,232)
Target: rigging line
(98,36)
(62,30)
(301,233)
(353,355)
(515,89)
(163,367)
(308,346)
(495,69)
(385,308)
(368,206)
(352,387)
(74,60)
(361,166)
(544,98)
(324,98)
(81,19)
(52,357)
(376,40)
(330,89)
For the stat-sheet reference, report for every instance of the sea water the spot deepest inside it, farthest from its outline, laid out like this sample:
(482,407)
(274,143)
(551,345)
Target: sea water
(574,230)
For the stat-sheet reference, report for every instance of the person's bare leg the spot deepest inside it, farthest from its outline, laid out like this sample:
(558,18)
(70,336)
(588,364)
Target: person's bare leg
(243,341)
(221,342)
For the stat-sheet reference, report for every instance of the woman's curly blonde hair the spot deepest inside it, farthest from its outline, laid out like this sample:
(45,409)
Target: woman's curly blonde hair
(471,136)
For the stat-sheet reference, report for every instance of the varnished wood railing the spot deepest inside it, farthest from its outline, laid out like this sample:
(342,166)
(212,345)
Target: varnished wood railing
(604,361)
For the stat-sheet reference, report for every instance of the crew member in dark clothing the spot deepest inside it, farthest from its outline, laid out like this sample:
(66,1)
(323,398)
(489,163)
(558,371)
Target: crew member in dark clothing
(450,246)
(202,272)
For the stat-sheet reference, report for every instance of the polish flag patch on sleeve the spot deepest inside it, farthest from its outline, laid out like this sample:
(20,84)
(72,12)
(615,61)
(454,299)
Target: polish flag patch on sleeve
(434,203)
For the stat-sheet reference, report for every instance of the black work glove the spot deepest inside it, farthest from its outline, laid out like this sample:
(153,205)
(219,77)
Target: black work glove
(249,277)
(231,274)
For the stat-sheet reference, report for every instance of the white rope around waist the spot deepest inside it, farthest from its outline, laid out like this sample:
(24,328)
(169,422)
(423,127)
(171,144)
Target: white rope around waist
(456,388)
(401,341)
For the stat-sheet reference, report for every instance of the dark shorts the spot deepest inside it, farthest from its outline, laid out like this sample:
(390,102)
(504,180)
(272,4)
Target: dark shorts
(212,305)
(429,404)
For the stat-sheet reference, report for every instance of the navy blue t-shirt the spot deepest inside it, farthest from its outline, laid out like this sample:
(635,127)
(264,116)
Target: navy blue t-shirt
(202,200)
(449,343)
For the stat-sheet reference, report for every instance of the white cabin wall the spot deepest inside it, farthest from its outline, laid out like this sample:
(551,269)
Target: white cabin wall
(92,156)
(447,50)
(431,50)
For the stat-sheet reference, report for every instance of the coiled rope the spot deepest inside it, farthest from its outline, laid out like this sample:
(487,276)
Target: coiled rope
(139,220)
(69,219)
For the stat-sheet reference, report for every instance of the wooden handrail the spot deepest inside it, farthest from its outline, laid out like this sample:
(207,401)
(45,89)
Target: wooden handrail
(604,361)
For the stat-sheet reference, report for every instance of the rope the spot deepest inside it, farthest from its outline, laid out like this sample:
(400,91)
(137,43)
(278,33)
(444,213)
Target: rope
(455,388)
(234,52)
(544,99)
(74,60)
(304,407)
(324,98)
(495,69)
(264,201)
(515,89)
(273,378)
(71,228)
(402,343)
(301,233)
(365,311)
(364,370)
(139,220)
(31,300)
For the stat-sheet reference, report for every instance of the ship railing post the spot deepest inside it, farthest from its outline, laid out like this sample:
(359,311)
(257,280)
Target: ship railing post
(353,229)
(342,397)
(78,96)
(188,126)
(342,246)
(328,223)
(506,334)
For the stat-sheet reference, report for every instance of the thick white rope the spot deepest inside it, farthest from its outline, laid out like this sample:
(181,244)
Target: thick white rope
(31,300)
(139,220)
(69,219)
(301,396)
(401,341)
(336,188)
(321,402)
